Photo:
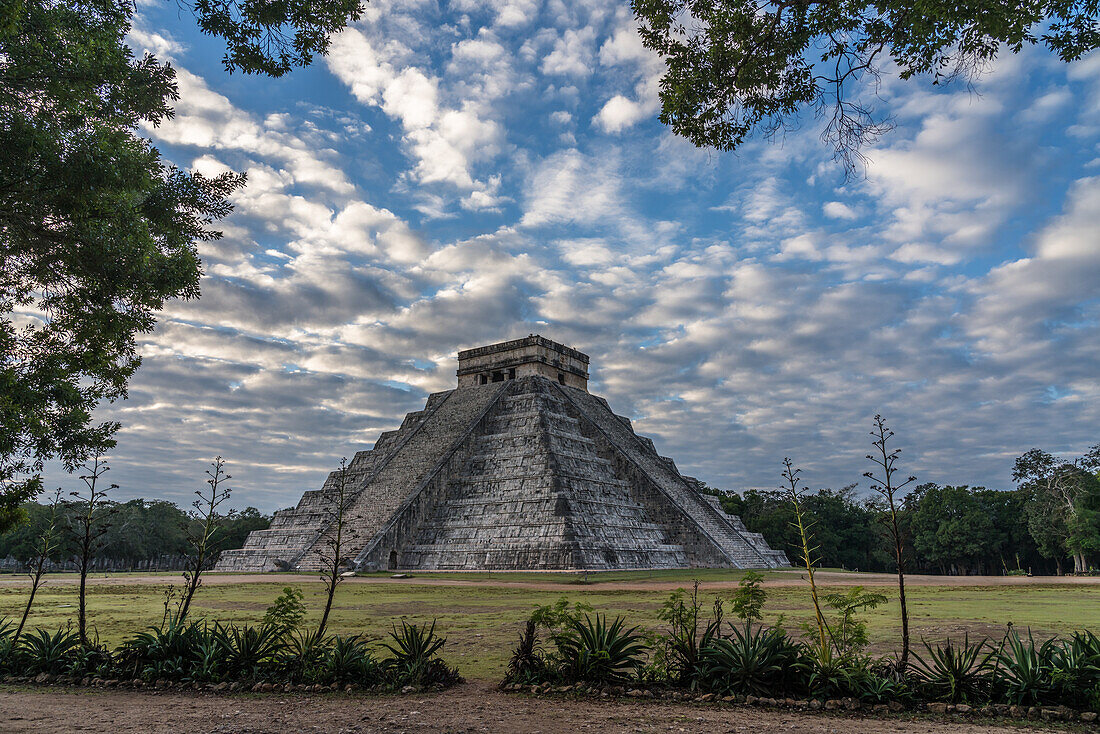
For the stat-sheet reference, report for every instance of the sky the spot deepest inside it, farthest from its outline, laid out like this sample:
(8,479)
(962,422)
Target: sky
(457,174)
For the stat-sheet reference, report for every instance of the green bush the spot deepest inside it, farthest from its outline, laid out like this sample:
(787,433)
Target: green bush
(677,651)
(196,651)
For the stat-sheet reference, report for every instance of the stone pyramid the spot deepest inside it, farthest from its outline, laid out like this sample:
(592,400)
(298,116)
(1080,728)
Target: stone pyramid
(518,468)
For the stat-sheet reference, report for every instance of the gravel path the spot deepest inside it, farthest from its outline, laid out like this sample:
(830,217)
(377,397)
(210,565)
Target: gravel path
(471,707)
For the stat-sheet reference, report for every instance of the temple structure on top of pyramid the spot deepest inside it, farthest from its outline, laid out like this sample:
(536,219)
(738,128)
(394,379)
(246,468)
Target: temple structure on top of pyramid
(518,468)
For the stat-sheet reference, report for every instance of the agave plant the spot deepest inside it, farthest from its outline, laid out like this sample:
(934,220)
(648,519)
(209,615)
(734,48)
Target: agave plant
(167,651)
(955,673)
(828,674)
(248,650)
(1076,666)
(1024,671)
(748,661)
(414,660)
(598,652)
(43,652)
(349,661)
(527,664)
(679,656)
(303,657)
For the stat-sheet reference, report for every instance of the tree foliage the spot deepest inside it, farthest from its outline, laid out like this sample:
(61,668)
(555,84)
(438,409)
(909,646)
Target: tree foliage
(273,36)
(739,67)
(1063,507)
(96,230)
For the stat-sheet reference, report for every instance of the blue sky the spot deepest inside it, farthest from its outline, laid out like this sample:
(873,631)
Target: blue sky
(457,174)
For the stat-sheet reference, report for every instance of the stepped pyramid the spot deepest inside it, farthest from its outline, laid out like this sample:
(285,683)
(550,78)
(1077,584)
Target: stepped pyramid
(520,467)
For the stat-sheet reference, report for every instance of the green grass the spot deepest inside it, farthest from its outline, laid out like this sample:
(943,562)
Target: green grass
(482,622)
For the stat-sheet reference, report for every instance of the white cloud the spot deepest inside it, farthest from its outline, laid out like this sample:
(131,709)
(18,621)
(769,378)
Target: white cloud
(839,210)
(572,54)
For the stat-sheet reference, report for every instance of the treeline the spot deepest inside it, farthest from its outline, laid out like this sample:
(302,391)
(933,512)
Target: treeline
(1049,523)
(135,532)
(947,530)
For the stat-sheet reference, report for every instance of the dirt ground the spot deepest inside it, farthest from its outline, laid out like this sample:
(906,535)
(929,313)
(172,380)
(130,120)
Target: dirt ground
(788,578)
(471,707)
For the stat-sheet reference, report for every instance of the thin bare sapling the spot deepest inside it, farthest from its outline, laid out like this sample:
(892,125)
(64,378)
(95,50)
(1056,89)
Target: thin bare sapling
(45,546)
(203,531)
(90,521)
(333,539)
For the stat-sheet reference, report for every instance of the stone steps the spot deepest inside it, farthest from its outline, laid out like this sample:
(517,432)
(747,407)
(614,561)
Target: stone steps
(619,432)
(538,485)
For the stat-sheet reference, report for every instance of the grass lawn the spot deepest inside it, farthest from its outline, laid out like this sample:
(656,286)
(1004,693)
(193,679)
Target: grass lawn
(481,622)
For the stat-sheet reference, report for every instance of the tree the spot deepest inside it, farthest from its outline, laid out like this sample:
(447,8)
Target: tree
(96,230)
(1063,504)
(203,532)
(739,67)
(952,528)
(883,483)
(45,548)
(90,524)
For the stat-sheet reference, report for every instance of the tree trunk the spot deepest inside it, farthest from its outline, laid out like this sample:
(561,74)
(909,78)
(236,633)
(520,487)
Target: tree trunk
(27,610)
(81,619)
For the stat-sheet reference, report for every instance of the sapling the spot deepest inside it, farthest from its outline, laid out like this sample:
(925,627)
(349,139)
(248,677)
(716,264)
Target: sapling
(332,548)
(203,536)
(885,485)
(89,524)
(748,600)
(45,546)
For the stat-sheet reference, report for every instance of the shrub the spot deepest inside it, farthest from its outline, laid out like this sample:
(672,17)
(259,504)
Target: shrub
(250,650)
(597,652)
(303,657)
(849,633)
(287,612)
(167,651)
(954,673)
(349,661)
(677,656)
(1076,667)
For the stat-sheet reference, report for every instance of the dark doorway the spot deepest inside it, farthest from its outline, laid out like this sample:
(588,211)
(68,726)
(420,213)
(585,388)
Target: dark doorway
(393,560)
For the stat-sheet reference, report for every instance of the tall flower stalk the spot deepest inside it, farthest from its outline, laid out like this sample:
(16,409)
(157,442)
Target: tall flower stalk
(806,551)
(884,483)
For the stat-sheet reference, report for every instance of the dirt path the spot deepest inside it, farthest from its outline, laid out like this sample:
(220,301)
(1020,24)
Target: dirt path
(789,578)
(472,707)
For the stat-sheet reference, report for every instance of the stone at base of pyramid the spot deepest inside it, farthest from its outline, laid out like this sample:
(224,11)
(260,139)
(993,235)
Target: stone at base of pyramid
(520,468)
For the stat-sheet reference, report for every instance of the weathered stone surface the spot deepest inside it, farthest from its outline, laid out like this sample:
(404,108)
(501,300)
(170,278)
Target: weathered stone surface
(524,473)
